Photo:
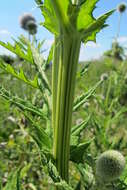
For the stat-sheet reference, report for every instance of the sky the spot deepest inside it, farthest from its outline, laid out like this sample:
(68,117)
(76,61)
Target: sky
(11,10)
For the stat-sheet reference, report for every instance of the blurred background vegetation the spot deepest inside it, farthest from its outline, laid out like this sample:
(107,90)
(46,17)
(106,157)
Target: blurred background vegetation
(106,109)
(105,114)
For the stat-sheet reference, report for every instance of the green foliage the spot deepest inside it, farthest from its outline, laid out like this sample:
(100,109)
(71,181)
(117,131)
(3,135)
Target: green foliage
(19,75)
(22,104)
(7,58)
(85,96)
(40,136)
(13,181)
(77,152)
(19,49)
(78,17)
(117,52)
(33,135)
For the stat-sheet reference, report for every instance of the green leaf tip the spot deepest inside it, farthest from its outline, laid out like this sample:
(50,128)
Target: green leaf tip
(89,34)
(79,17)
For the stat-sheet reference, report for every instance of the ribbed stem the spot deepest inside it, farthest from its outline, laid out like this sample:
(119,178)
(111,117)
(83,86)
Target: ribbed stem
(55,68)
(70,47)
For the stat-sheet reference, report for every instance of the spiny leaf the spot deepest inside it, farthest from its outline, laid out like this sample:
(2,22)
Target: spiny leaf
(83,71)
(53,173)
(13,181)
(39,135)
(38,61)
(84,97)
(18,49)
(118,114)
(19,75)
(77,16)
(85,16)
(77,129)
(40,44)
(24,170)
(77,152)
(50,56)
(51,21)
(22,104)
(87,176)
(89,33)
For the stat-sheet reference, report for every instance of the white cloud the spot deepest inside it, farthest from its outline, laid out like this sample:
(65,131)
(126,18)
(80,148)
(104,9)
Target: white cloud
(4,32)
(93,45)
(122,39)
(90,51)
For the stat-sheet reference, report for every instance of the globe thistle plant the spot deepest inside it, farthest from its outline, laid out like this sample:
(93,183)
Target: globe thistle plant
(24,19)
(28,23)
(104,76)
(121,8)
(109,166)
(32,27)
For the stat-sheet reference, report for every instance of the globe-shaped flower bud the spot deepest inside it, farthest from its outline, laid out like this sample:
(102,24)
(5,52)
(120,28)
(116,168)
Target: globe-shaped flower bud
(32,27)
(122,7)
(24,19)
(110,165)
(104,76)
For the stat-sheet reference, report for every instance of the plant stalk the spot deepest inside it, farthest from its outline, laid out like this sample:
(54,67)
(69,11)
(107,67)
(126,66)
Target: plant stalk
(55,69)
(118,30)
(68,60)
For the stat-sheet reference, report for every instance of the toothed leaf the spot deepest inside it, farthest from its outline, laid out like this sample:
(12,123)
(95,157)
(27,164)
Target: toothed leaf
(23,105)
(39,135)
(19,50)
(51,21)
(85,16)
(77,152)
(19,75)
(89,33)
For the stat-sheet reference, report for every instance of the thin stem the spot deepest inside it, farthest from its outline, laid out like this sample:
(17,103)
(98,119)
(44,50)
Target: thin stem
(29,36)
(70,47)
(118,30)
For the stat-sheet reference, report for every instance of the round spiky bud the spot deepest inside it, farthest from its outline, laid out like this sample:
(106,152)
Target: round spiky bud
(122,7)
(24,19)
(32,27)
(110,165)
(104,76)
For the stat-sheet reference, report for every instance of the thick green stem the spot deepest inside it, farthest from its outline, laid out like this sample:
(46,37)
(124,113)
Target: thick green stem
(55,68)
(69,54)
(63,20)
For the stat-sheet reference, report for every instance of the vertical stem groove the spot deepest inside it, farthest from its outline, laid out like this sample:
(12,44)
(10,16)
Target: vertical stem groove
(55,68)
(70,47)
